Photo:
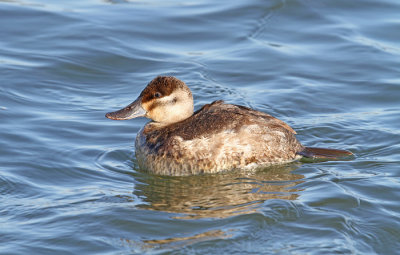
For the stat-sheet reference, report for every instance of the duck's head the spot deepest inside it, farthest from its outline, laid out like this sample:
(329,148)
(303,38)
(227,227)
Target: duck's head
(165,100)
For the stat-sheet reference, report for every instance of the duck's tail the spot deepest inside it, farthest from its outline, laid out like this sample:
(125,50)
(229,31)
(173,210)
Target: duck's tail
(312,154)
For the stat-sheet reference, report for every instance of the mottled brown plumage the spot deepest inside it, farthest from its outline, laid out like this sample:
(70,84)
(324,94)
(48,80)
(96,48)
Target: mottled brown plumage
(215,118)
(218,137)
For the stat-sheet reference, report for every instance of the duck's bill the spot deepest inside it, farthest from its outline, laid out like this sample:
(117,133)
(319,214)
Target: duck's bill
(133,110)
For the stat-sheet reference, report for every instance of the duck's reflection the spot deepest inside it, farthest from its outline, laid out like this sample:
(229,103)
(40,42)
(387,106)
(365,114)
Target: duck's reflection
(217,196)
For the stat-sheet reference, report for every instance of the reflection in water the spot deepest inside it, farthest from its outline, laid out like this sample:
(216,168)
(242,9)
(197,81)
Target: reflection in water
(217,196)
(210,196)
(174,243)
(202,236)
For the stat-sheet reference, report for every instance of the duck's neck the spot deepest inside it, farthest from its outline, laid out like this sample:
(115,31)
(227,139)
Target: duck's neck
(175,116)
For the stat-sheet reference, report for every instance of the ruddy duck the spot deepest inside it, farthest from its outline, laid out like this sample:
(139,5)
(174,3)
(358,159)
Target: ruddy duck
(217,137)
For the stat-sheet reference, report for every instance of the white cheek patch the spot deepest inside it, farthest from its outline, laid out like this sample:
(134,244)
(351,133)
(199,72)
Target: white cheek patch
(171,99)
(172,108)
(176,105)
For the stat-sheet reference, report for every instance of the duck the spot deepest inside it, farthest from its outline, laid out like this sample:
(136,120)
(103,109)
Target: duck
(216,138)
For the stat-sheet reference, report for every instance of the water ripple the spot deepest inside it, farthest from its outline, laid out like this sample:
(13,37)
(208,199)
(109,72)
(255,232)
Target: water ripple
(69,181)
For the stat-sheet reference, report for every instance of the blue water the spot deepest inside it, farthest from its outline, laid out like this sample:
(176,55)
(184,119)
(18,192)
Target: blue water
(69,182)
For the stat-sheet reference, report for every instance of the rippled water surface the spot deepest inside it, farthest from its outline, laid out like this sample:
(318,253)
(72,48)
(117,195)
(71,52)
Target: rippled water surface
(69,182)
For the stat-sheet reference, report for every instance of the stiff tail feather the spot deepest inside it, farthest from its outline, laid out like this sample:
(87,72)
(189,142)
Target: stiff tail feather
(312,154)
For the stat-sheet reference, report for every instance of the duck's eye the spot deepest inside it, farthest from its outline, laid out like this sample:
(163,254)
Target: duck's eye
(157,95)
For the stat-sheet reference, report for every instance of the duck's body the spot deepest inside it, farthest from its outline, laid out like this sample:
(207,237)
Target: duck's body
(218,137)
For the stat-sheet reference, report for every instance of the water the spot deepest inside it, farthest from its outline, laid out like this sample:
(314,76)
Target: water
(69,182)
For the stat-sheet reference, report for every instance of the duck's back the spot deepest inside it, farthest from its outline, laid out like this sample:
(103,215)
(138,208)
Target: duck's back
(217,137)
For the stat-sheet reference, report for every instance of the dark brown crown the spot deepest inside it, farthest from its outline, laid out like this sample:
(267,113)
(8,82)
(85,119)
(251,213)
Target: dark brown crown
(161,86)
